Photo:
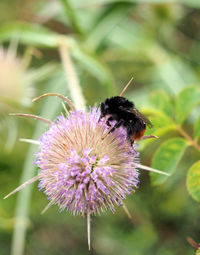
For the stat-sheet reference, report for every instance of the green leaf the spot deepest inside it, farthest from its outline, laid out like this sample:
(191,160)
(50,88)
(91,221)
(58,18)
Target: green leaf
(192,3)
(197,129)
(162,124)
(173,72)
(167,157)
(161,101)
(29,34)
(186,101)
(158,132)
(157,118)
(193,181)
(162,131)
(72,16)
(106,23)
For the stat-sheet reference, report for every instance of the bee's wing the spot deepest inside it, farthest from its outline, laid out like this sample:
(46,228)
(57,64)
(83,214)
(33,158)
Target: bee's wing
(138,114)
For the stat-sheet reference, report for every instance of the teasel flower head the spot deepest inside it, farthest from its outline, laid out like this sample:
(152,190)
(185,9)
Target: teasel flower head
(15,81)
(16,87)
(80,170)
(83,167)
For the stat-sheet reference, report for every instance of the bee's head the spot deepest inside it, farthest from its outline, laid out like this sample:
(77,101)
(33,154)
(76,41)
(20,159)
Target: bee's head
(112,104)
(104,109)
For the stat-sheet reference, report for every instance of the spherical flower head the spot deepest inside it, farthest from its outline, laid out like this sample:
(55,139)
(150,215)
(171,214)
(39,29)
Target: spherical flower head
(15,81)
(83,167)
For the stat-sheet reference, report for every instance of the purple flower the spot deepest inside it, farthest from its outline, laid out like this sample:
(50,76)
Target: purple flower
(82,167)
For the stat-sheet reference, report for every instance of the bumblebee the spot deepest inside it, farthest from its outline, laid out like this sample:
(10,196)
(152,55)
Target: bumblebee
(125,114)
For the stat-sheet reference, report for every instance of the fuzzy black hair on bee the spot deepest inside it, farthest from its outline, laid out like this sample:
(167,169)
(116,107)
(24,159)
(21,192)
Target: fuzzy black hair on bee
(125,114)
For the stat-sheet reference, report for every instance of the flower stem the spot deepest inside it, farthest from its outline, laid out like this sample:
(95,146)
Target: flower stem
(88,228)
(73,82)
(188,138)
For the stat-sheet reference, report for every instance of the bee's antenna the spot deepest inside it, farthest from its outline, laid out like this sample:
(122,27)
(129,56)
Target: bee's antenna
(125,88)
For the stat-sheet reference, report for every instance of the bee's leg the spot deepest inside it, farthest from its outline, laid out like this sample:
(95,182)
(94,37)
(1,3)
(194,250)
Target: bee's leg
(108,121)
(118,124)
(147,137)
(111,129)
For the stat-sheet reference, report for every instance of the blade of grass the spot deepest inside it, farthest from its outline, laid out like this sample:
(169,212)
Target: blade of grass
(29,34)
(106,23)
(72,17)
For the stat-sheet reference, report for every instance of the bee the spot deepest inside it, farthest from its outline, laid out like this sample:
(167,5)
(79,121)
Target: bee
(125,114)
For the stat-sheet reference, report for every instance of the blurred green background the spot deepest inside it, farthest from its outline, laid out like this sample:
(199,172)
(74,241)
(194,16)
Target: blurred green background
(155,41)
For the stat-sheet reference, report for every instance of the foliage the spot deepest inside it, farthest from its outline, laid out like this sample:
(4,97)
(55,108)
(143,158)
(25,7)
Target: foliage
(169,117)
(198,252)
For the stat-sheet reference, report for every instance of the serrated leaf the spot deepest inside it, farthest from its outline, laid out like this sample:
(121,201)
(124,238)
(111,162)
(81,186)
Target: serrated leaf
(162,124)
(162,131)
(158,119)
(161,101)
(197,129)
(167,157)
(186,101)
(158,132)
(193,181)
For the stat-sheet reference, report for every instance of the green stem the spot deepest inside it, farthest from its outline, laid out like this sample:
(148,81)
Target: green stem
(188,138)
(23,200)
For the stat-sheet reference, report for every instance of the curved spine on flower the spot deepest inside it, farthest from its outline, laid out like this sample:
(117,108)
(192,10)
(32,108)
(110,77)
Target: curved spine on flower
(65,99)
(31,116)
